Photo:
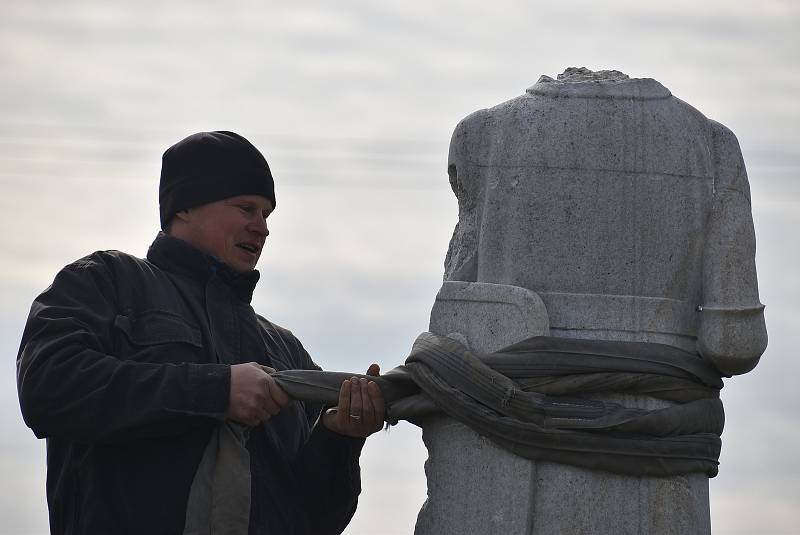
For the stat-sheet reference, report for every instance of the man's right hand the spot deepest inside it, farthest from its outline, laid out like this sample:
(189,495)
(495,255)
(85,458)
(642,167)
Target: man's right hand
(254,397)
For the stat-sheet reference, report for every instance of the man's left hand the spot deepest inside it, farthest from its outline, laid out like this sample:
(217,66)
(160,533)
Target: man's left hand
(361,407)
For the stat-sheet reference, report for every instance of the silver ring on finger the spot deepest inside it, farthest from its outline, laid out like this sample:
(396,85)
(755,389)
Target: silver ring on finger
(355,416)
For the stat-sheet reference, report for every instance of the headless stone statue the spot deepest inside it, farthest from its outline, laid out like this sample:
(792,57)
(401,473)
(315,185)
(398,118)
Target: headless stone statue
(600,207)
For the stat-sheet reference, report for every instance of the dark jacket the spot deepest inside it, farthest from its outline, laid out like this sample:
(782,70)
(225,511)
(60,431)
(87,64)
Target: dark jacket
(124,367)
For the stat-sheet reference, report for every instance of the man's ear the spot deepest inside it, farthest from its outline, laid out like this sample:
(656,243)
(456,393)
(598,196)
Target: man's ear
(183,215)
(177,220)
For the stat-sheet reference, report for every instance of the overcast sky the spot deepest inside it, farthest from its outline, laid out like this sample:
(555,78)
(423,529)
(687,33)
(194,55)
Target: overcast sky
(353,104)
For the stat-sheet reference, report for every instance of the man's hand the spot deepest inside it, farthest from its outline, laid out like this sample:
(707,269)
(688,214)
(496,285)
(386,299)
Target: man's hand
(361,408)
(255,397)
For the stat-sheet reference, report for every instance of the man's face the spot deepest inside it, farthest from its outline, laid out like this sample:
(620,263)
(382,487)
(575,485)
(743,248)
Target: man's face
(233,229)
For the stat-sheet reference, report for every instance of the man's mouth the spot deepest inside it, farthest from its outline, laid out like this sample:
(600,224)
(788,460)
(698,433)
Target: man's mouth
(252,248)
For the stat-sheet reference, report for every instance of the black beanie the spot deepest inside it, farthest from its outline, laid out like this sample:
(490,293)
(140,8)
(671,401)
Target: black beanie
(211,166)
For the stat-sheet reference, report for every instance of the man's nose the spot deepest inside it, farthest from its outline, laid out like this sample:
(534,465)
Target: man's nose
(259,226)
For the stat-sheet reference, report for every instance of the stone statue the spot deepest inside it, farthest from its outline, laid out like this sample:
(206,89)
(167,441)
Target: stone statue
(601,207)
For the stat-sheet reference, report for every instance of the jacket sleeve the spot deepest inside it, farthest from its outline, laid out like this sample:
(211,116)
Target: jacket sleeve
(71,384)
(329,473)
(331,480)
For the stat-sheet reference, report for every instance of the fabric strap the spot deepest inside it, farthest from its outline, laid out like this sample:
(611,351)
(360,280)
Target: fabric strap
(219,499)
(532,398)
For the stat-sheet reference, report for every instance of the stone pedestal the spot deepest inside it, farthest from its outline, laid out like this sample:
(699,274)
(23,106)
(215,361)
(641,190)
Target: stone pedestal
(599,207)
(476,487)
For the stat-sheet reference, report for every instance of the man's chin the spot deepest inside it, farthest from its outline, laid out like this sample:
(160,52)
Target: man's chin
(242,265)
(243,268)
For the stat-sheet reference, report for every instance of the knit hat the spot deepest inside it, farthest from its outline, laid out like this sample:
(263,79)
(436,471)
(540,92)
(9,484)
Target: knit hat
(211,166)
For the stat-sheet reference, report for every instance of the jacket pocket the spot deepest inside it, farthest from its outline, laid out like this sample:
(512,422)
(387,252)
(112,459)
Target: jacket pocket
(158,327)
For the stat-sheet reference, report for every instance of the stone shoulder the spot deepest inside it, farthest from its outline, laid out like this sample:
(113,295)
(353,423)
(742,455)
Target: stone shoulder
(731,174)
(724,135)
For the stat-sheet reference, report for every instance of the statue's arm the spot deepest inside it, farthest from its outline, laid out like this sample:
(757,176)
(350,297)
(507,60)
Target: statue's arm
(732,334)
(461,263)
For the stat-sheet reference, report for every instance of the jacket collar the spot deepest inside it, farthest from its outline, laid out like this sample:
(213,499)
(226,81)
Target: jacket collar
(177,256)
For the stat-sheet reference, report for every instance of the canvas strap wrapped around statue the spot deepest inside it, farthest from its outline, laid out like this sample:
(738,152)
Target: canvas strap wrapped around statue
(530,398)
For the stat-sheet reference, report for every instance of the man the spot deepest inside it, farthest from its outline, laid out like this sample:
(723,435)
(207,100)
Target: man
(129,367)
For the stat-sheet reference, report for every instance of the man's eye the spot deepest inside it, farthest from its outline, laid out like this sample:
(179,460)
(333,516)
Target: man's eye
(246,208)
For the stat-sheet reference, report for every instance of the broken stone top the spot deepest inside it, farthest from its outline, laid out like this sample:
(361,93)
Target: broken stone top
(580,82)
(582,74)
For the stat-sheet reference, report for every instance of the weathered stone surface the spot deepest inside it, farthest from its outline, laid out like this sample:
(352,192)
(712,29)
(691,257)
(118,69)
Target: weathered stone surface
(462,469)
(622,206)
(461,464)
(486,317)
(626,213)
